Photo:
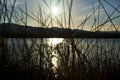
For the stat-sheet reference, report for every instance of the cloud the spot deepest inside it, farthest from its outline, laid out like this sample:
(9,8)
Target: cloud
(87,7)
(18,2)
(82,17)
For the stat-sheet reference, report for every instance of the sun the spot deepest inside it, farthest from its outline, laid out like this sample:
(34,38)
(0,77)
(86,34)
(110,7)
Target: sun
(55,11)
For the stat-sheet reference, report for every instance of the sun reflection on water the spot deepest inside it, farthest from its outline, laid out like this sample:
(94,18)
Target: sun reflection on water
(53,42)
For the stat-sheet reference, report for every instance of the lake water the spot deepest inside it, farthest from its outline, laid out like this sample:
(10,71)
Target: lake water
(55,50)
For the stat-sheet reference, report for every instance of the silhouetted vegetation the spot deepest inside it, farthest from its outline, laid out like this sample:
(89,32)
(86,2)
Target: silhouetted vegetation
(38,32)
(77,59)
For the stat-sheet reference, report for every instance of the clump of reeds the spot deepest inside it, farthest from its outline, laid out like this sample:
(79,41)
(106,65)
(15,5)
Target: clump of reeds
(78,59)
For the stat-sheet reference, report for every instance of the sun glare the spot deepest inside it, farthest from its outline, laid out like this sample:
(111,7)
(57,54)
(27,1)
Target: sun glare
(54,59)
(54,41)
(55,11)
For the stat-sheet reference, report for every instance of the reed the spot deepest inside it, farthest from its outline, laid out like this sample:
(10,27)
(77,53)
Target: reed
(77,59)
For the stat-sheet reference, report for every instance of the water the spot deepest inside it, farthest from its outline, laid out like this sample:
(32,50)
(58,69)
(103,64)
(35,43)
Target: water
(35,51)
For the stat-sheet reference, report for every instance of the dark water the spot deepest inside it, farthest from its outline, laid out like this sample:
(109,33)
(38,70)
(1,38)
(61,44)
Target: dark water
(91,48)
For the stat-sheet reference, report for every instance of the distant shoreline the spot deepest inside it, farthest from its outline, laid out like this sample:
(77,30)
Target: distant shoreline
(19,31)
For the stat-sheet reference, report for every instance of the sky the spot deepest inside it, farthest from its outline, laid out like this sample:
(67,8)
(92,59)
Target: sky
(80,10)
